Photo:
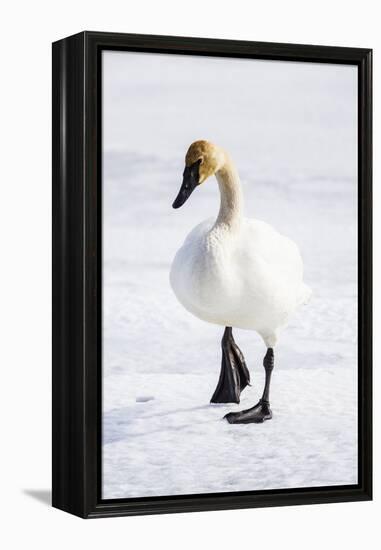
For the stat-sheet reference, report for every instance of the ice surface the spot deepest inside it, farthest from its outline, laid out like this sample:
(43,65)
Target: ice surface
(291,128)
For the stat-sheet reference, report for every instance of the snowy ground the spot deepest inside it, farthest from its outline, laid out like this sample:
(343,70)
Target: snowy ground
(161,365)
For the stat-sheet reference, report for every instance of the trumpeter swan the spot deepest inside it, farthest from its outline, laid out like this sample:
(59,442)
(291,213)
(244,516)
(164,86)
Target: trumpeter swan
(235,272)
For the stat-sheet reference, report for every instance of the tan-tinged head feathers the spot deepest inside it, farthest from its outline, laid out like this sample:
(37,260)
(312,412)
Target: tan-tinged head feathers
(210,156)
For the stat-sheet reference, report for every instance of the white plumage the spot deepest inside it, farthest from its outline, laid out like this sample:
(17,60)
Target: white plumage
(235,271)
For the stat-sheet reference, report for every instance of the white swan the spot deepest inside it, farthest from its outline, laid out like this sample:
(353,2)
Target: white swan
(235,272)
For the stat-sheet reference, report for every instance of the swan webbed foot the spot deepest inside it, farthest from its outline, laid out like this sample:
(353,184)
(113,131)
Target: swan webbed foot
(234,375)
(256,415)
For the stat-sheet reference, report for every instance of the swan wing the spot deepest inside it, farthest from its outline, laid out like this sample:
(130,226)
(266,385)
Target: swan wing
(270,263)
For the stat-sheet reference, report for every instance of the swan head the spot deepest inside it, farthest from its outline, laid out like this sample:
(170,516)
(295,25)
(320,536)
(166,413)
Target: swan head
(203,159)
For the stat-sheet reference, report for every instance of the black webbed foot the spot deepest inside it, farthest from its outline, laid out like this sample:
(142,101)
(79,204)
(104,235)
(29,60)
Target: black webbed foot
(234,375)
(257,414)
(243,371)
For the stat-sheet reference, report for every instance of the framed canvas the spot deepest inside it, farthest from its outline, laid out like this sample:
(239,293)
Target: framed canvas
(217,354)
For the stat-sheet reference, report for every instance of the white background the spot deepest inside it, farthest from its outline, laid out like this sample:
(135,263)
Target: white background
(291,129)
(27,29)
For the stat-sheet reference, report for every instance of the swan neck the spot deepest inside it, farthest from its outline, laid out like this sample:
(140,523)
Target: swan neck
(231,204)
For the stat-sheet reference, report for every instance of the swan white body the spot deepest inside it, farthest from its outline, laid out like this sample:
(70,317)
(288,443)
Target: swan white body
(239,272)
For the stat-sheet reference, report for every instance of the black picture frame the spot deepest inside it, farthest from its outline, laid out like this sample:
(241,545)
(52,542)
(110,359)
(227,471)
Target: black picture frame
(77,273)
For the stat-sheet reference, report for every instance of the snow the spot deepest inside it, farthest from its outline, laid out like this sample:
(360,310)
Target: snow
(291,129)
(177,443)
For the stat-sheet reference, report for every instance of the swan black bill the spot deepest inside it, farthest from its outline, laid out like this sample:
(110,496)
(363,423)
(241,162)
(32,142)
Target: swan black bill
(191,179)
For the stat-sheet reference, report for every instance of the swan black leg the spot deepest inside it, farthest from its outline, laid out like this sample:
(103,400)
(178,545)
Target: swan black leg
(261,411)
(234,375)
